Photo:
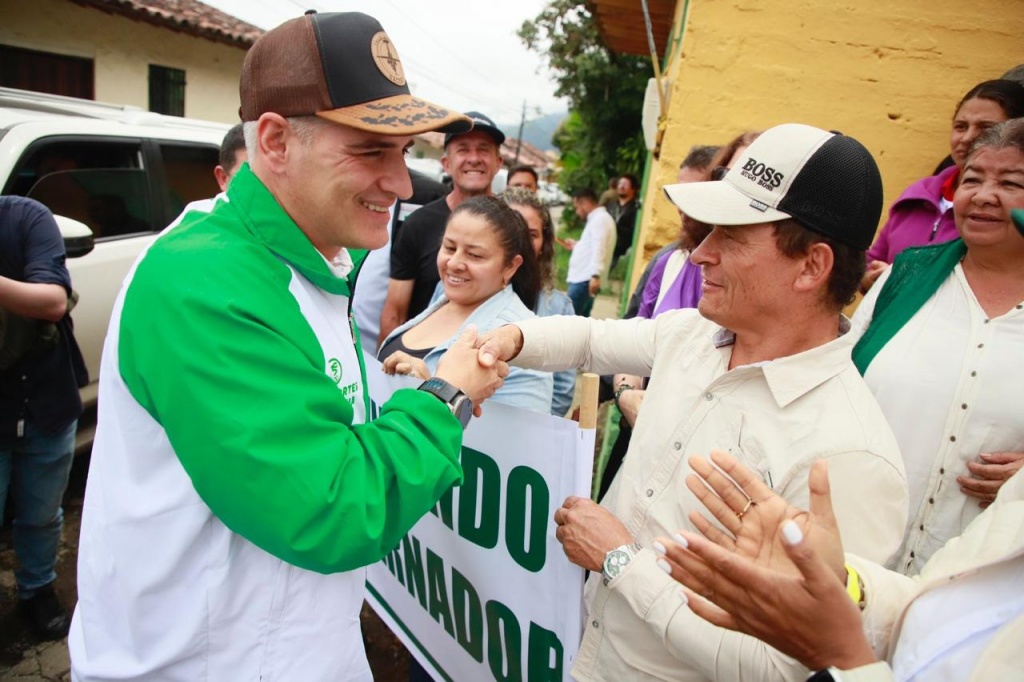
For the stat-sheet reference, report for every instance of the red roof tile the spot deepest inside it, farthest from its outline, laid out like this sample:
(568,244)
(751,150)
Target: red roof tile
(186,16)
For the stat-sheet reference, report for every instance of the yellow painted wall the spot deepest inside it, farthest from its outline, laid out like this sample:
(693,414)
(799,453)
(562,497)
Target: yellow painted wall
(122,51)
(887,73)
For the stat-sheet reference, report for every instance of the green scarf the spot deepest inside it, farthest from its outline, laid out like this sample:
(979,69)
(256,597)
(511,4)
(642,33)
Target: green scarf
(916,275)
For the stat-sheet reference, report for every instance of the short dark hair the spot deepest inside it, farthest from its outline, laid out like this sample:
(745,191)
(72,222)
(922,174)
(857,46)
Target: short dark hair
(794,240)
(523,169)
(585,193)
(699,156)
(514,237)
(234,141)
(633,181)
(1009,95)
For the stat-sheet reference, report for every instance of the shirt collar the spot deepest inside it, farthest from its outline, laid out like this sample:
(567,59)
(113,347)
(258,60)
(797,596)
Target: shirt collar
(792,376)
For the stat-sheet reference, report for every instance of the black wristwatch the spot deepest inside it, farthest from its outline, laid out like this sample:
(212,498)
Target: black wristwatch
(457,401)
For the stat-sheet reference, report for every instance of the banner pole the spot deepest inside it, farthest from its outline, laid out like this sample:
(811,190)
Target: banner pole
(588,400)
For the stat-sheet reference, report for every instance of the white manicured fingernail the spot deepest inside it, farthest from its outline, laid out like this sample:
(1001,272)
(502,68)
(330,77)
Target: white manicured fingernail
(658,547)
(792,533)
(680,540)
(663,565)
(683,598)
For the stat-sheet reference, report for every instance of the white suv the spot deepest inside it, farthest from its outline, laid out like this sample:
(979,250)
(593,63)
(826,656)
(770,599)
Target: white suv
(123,172)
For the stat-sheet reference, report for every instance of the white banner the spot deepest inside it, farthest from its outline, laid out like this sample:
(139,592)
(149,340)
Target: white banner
(480,589)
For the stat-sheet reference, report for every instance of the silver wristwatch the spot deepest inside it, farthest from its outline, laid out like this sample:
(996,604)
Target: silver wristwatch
(615,561)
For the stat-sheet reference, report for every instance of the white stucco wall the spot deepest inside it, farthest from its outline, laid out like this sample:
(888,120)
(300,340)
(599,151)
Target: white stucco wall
(123,49)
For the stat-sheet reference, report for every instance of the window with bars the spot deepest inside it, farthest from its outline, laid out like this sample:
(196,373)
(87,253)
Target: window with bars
(166,90)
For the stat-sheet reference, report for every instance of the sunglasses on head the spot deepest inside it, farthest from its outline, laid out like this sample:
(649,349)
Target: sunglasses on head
(719,172)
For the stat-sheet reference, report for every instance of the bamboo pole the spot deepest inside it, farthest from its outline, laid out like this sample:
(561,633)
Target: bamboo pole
(588,400)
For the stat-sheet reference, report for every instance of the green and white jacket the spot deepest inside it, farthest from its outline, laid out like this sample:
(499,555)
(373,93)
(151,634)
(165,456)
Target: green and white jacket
(235,491)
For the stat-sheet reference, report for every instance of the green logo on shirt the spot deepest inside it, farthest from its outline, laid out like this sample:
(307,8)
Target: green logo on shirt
(334,367)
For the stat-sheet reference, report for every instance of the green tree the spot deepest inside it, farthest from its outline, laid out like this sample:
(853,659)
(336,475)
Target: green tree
(602,135)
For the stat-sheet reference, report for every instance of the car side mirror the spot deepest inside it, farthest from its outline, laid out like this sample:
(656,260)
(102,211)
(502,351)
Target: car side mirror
(78,239)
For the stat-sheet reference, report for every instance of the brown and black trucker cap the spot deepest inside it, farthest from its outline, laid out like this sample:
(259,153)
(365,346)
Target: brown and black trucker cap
(340,66)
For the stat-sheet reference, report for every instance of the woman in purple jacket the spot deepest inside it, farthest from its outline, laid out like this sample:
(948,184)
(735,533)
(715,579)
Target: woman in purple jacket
(923,213)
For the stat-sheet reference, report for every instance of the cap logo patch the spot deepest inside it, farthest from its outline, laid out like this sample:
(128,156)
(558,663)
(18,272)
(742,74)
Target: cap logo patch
(754,203)
(385,56)
(764,176)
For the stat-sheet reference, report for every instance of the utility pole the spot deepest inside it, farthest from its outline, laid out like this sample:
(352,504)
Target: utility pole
(519,137)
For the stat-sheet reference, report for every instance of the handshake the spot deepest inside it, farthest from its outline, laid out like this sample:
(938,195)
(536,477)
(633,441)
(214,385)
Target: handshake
(476,365)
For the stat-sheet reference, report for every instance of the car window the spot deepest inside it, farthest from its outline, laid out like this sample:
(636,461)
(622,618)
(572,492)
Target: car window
(101,183)
(188,174)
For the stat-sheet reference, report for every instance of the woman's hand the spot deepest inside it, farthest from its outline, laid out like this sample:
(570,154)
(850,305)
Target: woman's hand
(807,615)
(777,574)
(989,475)
(400,362)
(874,270)
(752,514)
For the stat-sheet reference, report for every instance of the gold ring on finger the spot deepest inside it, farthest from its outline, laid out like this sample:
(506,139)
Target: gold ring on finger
(750,503)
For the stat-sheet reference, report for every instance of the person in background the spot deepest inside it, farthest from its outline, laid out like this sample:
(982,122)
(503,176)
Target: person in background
(239,483)
(693,168)
(673,282)
(779,573)
(491,277)
(923,214)
(592,254)
(762,368)
(523,176)
(39,402)
(232,155)
(941,333)
(625,215)
(610,197)
(472,159)
(551,301)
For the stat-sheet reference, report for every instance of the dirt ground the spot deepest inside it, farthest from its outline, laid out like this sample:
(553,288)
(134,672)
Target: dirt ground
(388,658)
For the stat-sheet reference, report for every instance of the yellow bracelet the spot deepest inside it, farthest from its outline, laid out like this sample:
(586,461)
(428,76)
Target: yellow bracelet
(855,587)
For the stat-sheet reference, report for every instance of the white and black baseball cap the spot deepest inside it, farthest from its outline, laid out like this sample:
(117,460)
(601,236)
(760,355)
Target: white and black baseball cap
(826,181)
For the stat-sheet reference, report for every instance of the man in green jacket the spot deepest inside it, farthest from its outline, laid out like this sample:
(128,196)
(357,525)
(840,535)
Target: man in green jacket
(238,487)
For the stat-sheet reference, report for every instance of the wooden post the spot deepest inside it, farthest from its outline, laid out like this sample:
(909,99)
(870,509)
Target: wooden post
(588,400)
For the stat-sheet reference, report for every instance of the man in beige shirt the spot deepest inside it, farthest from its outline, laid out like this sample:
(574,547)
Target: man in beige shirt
(762,370)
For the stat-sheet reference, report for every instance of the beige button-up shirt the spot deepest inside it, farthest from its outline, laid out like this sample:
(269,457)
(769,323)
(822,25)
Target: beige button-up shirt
(777,417)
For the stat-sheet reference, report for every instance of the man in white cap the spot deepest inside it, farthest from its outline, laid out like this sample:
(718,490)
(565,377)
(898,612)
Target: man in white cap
(761,369)
(238,487)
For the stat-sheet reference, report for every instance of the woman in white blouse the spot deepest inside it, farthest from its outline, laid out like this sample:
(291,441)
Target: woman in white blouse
(942,344)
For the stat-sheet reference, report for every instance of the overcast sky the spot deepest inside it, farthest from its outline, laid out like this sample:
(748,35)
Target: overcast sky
(463,54)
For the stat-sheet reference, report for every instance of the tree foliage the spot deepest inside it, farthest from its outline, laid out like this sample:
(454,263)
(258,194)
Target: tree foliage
(602,136)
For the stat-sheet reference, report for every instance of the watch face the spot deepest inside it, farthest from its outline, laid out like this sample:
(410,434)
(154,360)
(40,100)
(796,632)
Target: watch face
(615,561)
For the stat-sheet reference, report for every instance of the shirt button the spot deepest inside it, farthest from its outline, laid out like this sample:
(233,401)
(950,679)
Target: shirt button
(942,471)
(931,500)
(921,528)
(981,345)
(963,406)
(973,373)
(650,492)
(912,555)
(987,321)
(677,445)
(709,396)
(952,439)
(596,624)
(1019,306)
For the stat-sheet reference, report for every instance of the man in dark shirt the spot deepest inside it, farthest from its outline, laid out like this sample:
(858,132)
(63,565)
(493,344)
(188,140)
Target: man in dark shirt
(625,215)
(472,160)
(39,402)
